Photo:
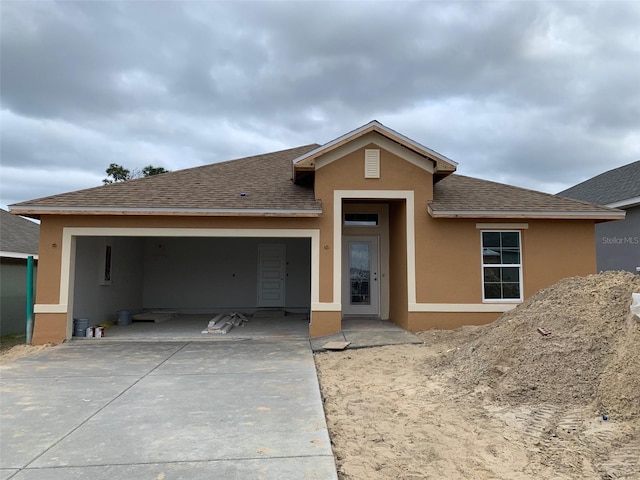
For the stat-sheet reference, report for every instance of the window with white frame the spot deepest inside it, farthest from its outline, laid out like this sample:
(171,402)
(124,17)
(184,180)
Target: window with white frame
(501,265)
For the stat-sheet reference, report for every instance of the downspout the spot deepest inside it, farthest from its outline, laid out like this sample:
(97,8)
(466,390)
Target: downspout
(29,298)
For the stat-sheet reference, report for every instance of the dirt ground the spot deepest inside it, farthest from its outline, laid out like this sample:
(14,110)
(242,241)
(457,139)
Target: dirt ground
(499,401)
(10,341)
(19,351)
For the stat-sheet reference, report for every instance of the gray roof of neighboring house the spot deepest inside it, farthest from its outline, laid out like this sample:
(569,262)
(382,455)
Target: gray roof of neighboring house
(18,235)
(617,185)
(458,196)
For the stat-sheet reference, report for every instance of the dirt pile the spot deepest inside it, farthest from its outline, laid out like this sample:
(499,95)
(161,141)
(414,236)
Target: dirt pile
(589,357)
(619,389)
(22,350)
(498,401)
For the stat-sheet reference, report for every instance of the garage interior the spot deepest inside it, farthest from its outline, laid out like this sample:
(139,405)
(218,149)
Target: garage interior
(192,279)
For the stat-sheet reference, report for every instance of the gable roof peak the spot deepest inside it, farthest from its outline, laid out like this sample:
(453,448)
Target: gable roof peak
(443,164)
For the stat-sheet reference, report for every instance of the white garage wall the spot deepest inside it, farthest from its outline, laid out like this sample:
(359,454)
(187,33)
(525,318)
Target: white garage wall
(100,302)
(203,275)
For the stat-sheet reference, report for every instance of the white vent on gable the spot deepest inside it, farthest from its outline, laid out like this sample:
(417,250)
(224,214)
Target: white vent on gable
(371,163)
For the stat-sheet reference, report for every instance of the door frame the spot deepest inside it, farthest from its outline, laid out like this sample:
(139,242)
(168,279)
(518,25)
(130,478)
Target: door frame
(381,207)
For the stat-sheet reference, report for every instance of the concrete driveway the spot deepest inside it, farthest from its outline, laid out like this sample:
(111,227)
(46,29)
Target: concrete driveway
(164,410)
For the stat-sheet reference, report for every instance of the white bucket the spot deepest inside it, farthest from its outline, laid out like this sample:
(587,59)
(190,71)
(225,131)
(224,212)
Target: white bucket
(99,332)
(90,332)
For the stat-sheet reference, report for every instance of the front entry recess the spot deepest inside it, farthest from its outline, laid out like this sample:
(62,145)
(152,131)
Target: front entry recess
(271,276)
(361,288)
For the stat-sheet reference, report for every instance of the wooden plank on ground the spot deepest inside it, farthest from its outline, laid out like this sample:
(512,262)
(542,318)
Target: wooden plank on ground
(336,345)
(224,330)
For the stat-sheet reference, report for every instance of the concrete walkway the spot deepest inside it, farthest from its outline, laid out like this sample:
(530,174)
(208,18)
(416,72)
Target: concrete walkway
(365,333)
(238,409)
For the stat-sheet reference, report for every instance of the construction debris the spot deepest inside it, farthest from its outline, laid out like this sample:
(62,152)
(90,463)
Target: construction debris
(543,331)
(223,322)
(336,345)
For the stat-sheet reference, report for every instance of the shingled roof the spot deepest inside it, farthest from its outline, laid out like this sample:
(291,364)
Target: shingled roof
(618,187)
(259,184)
(458,196)
(305,162)
(262,185)
(18,236)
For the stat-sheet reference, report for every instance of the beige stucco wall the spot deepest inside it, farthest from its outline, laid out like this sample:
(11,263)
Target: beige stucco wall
(347,173)
(447,251)
(449,268)
(398,264)
(419,321)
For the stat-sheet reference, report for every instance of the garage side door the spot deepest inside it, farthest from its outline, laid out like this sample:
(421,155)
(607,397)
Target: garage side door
(271,275)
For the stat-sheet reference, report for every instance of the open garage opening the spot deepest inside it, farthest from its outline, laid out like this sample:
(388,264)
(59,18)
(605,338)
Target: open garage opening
(181,283)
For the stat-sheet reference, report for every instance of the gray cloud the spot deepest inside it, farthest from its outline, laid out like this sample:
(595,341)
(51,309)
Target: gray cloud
(538,94)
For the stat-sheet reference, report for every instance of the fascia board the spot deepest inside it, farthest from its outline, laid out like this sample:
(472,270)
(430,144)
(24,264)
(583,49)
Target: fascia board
(627,202)
(49,210)
(19,255)
(525,214)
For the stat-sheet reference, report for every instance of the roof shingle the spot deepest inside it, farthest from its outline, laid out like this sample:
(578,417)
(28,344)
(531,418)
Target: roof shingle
(265,181)
(458,196)
(17,234)
(613,186)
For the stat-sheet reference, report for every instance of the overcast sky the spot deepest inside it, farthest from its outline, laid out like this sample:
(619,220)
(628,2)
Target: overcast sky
(535,94)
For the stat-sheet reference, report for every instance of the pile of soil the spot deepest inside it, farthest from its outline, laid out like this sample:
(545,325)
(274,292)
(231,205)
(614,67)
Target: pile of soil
(19,351)
(498,401)
(589,357)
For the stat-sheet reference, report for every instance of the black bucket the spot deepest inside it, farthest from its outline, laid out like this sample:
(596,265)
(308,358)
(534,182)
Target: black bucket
(124,317)
(80,326)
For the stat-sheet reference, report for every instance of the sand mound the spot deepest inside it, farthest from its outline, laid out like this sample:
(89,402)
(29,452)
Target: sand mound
(22,350)
(590,357)
(498,401)
(619,389)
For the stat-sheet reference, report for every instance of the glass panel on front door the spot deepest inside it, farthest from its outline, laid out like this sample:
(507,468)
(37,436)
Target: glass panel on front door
(360,273)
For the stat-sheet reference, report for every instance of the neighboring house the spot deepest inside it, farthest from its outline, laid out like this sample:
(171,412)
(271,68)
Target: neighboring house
(371,224)
(617,243)
(18,240)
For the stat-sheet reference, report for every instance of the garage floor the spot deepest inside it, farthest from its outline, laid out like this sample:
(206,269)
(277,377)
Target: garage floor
(190,327)
(359,333)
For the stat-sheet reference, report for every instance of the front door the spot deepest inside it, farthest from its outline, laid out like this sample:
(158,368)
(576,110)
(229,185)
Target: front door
(360,285)
(271,275)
